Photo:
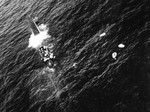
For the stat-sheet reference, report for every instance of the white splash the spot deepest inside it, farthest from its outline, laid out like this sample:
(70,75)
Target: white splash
(35,41)
(121,45)
(42,27)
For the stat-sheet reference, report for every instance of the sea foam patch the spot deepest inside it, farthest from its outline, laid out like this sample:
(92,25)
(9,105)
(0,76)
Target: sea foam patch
(35,41)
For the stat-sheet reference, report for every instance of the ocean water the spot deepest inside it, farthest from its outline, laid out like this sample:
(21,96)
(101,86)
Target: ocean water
(87,76)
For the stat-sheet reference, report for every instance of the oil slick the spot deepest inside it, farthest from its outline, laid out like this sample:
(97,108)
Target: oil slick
(39,34)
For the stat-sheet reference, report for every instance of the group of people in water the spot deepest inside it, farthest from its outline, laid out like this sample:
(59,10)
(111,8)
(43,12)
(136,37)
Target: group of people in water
(47,55)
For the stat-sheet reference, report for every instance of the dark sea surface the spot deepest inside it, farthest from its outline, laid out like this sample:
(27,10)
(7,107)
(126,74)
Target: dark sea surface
(86,77)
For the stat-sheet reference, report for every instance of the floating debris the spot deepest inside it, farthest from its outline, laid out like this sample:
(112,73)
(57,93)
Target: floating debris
(35,19)
(114,55)
(52,69)
(42,27)
(121,45)
(103,34)
(74,65)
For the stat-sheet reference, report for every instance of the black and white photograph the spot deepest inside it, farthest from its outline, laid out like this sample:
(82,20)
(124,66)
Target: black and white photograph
(74,55)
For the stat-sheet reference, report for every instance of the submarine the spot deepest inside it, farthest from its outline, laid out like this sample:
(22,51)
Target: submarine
(46,52)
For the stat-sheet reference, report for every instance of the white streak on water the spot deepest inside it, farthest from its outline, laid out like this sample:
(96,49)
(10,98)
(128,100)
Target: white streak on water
(103,34)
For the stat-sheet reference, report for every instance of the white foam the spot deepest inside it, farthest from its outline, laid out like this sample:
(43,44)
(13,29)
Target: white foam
(42,27)
(35,41)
